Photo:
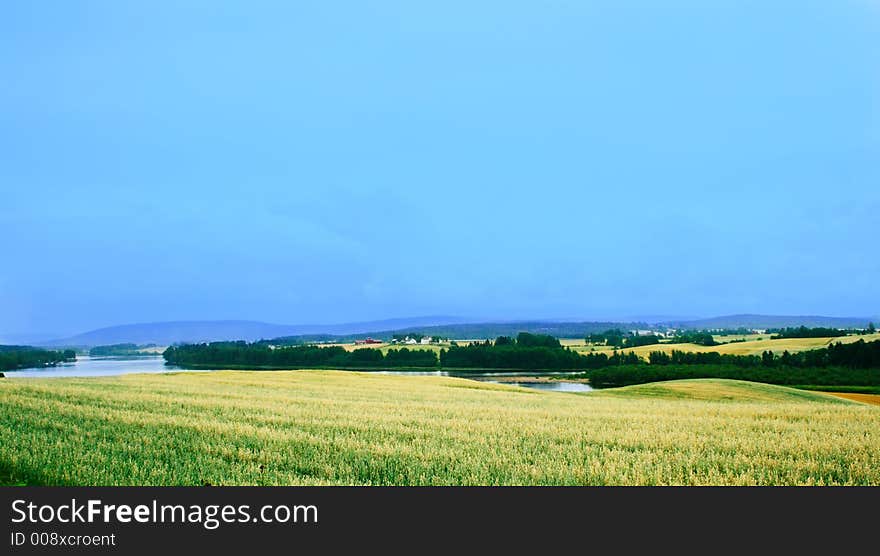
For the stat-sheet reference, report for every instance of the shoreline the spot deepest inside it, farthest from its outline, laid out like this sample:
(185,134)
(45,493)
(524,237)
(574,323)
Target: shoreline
(533,379)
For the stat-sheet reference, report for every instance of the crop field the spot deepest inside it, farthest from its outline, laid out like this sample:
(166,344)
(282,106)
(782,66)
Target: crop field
(873,399)
(345,428)
(581,343)
(744,337)
(752,347)
(385,346)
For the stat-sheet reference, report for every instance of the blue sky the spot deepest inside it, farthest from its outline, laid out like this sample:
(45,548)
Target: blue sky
(316,162)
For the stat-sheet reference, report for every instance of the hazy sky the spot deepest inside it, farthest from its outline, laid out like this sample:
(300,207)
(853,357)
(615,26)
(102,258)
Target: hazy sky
(314,162)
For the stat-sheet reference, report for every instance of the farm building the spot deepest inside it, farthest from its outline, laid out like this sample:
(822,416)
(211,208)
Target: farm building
(367,341)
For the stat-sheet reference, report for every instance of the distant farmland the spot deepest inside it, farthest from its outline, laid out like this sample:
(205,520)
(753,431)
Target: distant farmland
(750,347)
(755,344)
(345,428)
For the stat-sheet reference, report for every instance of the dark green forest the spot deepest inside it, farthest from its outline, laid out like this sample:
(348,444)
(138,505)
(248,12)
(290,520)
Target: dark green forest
(526,352)
(25,357)
(804,332)
(625,375)
(701,338)
(856,355)
(854,364)
(243,355)
(641,340)
(616,337)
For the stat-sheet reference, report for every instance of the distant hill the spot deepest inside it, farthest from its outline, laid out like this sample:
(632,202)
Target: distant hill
(26,339)
(166,333)
(773,321)
(493,330)
(481,330)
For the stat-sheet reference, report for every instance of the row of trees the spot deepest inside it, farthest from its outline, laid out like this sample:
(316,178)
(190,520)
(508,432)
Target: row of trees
(532,352)
(854,364)
(855,355)
(243,355)
(804,332)
(677,357)
(625,375)
(616,337)
(25,357)
(525,339)
(640,340)
(479,356)
(525,352)
(508,354)
(701,338)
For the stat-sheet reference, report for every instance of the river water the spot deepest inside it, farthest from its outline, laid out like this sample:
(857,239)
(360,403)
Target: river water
(86,366)
(555,385)
(98,366)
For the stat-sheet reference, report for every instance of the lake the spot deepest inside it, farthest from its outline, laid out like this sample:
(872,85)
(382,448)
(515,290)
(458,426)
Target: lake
(555,386)
(108,366)
(98,366)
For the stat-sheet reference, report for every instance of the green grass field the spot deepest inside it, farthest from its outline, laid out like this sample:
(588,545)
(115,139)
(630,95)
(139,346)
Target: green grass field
(344,428)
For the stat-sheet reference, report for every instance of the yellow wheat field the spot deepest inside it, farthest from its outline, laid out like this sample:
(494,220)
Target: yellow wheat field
(344,428)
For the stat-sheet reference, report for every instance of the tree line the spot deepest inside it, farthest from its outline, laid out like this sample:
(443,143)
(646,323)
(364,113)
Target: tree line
(625,375)
(701,338)
(616,337)
(525,352)
(25,357)
(244,355)
(534,352)
(856,363)
(804,332)
(485,355)
(855,355)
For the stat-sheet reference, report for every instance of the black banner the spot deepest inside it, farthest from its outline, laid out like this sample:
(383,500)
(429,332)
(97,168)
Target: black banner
(242,520)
